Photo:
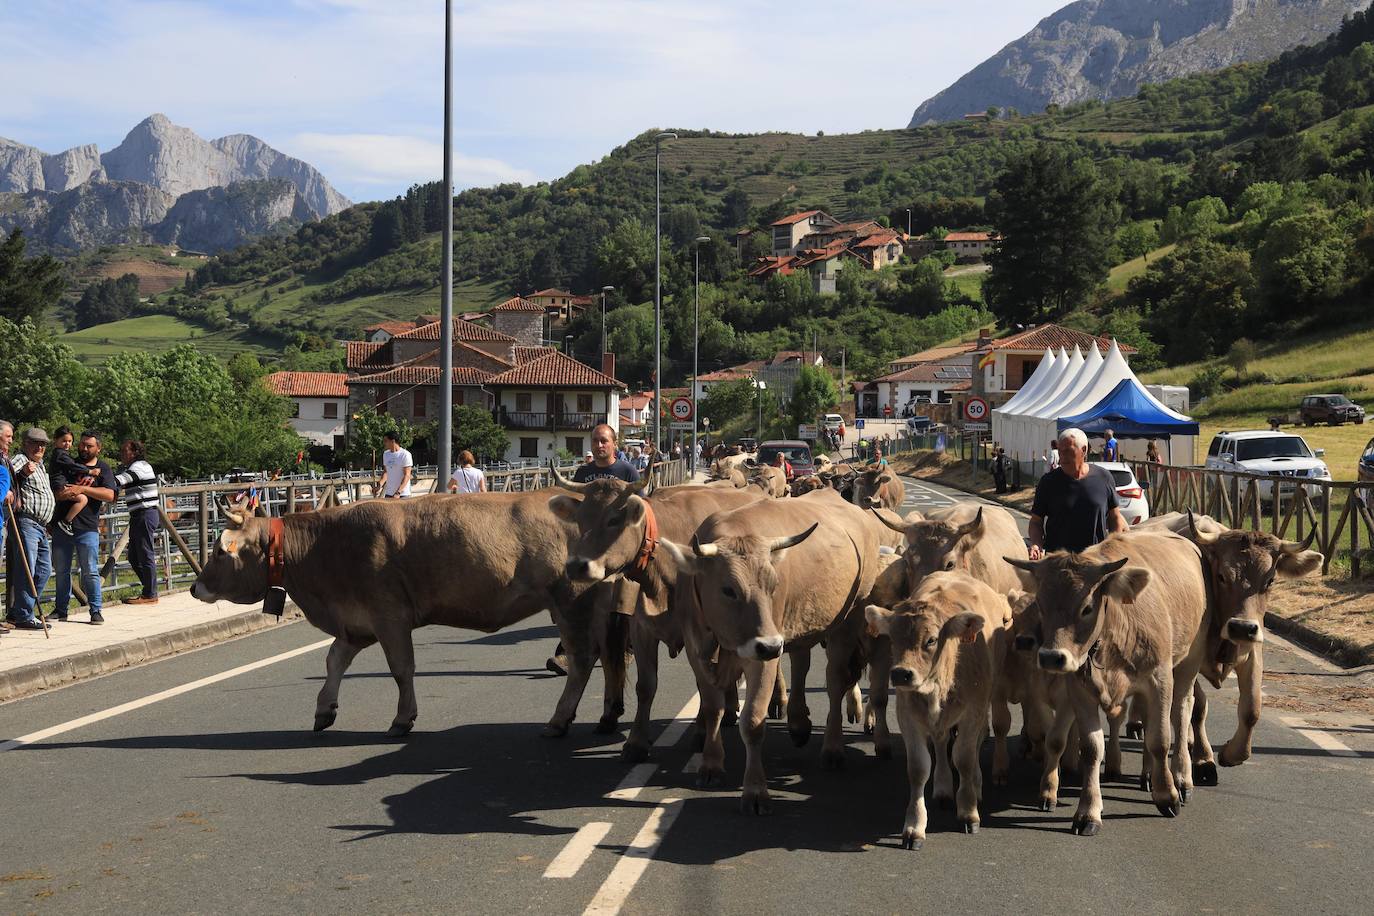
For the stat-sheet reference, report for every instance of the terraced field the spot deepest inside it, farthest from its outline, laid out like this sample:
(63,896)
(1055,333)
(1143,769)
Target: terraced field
(156,333)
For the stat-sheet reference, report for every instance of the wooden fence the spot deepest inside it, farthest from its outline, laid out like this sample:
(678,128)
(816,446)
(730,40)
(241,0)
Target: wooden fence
(1287,507)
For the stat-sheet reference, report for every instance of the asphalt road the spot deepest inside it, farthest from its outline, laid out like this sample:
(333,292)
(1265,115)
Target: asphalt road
(216,797)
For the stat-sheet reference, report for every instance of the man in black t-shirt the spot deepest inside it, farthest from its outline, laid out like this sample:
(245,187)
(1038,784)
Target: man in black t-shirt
(99,487)
(604,462)
(1075,505)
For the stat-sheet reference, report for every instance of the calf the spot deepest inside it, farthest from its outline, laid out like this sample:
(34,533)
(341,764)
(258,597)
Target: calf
(769,479)
(879,487)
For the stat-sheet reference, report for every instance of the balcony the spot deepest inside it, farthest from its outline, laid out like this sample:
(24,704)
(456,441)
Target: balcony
(521,419)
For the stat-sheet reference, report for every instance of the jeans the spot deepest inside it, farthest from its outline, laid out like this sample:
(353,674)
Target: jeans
(38,551)
(86,546)
(143,528)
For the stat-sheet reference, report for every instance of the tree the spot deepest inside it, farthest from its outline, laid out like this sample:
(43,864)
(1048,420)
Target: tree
(726,401)
(365,436)
(814,393)
(1301,261)
(107,300)
(1054,220)
(476,431)
(734,208)
(1195,301)
(1137,239)
(42,382)
(245,370)
(1242,353)
(625,260)
(28,286)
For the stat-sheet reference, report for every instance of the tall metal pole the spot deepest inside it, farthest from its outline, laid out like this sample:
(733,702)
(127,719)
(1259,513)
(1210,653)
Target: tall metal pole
(696,348)
(445,457)
(604,291)
(908,222)
(658,294)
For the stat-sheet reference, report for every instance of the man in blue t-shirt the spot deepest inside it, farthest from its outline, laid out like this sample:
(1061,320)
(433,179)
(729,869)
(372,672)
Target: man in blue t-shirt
(604,461)
(1111,451)
(1075,505)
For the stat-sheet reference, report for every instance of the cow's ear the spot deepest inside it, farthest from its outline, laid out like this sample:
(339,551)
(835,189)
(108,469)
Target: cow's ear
(1125,584)
(680,560)
(890,585)
(1297,565)
(634,510)
(1019,600)
(564,506)
(964,627)
(878,619)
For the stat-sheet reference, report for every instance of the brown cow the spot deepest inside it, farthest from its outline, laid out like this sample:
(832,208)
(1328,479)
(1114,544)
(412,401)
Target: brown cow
(734,477)
(947,642)
(364,573)
(781,572)
(803,485)
(879,486)
(612,523)
(1135,603)
(965,536)
(772,480)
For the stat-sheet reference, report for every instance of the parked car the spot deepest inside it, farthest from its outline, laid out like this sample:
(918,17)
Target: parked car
(832,422)
(1365,473)
(747,444)
(797,453)
(1130,495)
(1256,451)
(1331,409)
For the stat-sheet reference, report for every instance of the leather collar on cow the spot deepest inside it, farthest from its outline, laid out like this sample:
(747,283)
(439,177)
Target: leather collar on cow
(650,543)
(276,553)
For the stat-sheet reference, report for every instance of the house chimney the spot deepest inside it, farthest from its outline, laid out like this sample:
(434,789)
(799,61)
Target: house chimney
(984,337)
(608,364)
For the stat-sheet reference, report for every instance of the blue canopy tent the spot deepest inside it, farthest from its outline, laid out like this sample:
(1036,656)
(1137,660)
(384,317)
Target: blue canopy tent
(1132,413)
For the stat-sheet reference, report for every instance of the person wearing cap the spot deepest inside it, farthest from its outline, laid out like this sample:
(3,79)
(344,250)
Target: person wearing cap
(6,440)
(33,512)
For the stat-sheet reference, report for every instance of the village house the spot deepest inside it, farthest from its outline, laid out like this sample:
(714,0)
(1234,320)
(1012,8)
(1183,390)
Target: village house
(970,246)
(320,404)
(789,231)
(560,306)
(779,373)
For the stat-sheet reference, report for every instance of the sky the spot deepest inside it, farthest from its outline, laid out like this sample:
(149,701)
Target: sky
(355,87)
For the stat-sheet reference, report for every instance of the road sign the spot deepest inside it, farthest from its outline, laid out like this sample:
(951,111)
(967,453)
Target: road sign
(976,427)
(859,423)
(679,424)
(975,409)
(682,409)
(808,431)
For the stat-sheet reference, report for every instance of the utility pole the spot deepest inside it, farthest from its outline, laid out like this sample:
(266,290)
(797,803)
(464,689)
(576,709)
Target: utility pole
(445,456)
(604,291)
(658,291)
(696,350)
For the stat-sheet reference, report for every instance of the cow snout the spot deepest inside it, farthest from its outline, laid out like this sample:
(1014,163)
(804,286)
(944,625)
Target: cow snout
(762,648)
(1025,643)
(1242,630)
(577,568)
(199,593)
(1053,659)
(902,677)
(584,569)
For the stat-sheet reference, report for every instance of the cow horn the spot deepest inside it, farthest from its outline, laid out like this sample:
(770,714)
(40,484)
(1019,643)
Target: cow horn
(646,484)
(565,483)
(235,519)
(1305,545)
(783,543)
(900,529)
(1106,569)
(965,530)
(1197,536)
(709,549)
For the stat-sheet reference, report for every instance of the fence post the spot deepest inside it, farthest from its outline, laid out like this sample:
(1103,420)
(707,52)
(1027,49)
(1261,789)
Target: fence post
(203,514)
(1354,546)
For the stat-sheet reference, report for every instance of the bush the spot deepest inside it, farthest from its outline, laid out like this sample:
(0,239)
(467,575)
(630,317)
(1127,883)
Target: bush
(1206,383)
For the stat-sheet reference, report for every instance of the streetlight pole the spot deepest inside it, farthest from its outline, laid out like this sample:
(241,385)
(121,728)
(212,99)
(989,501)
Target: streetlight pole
(658,291)
(696,348)
(604,291)
(759,387)
(908,221)
(445,443)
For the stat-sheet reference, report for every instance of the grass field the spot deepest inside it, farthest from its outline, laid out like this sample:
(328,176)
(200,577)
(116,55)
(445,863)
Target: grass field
(1122,274)
(156,333)
(970,283)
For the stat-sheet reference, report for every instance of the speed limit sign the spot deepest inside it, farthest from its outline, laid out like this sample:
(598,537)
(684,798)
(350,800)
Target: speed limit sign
(975,409)
(682,408)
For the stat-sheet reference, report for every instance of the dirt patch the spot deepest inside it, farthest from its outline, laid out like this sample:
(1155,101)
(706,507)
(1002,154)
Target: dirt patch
(1340,611)
(153,278)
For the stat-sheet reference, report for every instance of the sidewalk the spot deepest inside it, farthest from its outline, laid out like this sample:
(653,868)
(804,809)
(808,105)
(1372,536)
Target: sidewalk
(131,635)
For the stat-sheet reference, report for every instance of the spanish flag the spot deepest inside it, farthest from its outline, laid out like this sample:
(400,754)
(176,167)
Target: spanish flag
(987,360)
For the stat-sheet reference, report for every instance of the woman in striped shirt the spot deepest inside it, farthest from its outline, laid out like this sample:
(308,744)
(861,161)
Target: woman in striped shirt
(138,483)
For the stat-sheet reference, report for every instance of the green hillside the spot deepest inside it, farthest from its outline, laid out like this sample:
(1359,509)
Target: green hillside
(156,333)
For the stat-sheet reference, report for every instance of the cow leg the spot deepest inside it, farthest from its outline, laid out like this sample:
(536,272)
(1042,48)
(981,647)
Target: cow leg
(1073,744)
(1249,674)
(798,713)
(636,747)
(966,747)
(943,792)
(580,650)
(917,770)
(759,676)
(854,705)
(879,670)
(838,685)
(1001,727)
(1180,723)
(1055,740)
(1112,770)
(777,706)
(713,697)
(341,655)
(731,708)
(1160,698)
(399,647)
(614,642)
(1204,760)
(1087,821)
(1135,720)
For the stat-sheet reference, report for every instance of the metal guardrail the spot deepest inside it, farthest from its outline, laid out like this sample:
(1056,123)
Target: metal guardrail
(193,516)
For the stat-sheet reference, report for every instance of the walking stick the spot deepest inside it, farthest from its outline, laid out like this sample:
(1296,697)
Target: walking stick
(24,561)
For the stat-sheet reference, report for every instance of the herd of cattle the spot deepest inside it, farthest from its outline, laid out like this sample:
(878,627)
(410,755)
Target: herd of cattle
(948,610)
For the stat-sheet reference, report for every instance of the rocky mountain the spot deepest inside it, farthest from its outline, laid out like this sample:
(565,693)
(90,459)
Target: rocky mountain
(162,183)
(1106,49)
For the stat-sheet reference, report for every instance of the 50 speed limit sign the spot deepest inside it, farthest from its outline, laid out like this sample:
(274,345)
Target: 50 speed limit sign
(975,409)
(682,409)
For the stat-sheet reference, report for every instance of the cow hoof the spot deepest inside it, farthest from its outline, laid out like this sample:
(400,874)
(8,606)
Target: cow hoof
(832,760)
(882,751)
(776,711)
(399,729)
(1046,804)
(1184,793)
(606,725)
(324,719)
(554,730)
(970,826)
(709,777)
(911,841)
(756,803)
(944,802)
(1227,760)
(634,753)
(1083,826)
(730,719)
(1205,773)
(800,735)
(1111,773)
(1145,782)
(1135,730)
(1169,809)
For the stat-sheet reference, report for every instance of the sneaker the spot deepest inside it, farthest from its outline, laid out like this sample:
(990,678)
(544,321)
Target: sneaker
(97,618)
(66,528)
(141,599)
(61,618)
(33,623)
(6,625)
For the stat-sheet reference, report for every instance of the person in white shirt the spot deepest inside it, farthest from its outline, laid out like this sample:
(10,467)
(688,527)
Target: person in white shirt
(466,478)
(1052,457)
(398,464)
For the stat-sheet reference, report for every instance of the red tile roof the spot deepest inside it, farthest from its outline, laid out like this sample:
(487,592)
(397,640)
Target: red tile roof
(767,265)
(309,384)
(969,237)
(726,375)
(422,375)
(877,239)
(555,370)
(636,401)
(391,327)
(358,354)
(551,291)
(937,354)
(795,218)
(929,372)
(525,354)
(518,304)
(462,330)
(1054,337)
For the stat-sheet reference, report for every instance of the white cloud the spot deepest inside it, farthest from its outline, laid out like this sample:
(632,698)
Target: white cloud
(391,159)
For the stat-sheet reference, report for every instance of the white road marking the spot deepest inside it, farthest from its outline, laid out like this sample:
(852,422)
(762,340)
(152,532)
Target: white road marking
(579,848)
(622,879)
(693,764)
(1320,738)
(34,737)
(633,783)
(678,727)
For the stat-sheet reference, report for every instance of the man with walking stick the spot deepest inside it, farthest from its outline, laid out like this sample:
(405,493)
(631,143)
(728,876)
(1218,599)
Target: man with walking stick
(29,522)
(6,440)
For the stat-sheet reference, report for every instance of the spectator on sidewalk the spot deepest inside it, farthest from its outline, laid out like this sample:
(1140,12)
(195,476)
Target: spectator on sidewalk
(63,469)
(1111,450)
(6,441)
(604,462)
(398,466)
(1052,457)
(466,478)
(136,478)
(81,535)
(34,512)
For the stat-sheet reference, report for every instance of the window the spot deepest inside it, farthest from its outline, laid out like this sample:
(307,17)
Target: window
(524,404)
(418,403)
(1214,449)
(529,447)
(574,445)
(331,410)
(457,397)
(584,403)
(1272,447)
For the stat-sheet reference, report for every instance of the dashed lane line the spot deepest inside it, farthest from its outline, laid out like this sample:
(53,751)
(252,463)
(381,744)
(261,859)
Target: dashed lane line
(43,734)
(1320,738)
(567,863)
(622,879)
